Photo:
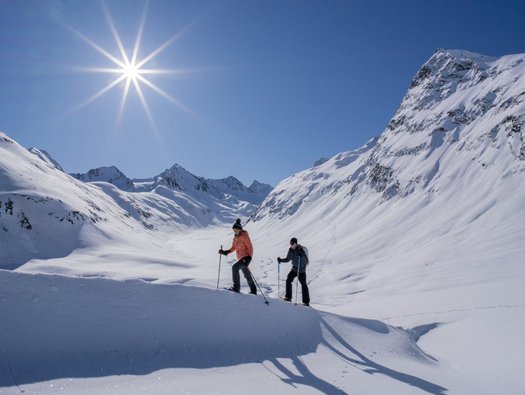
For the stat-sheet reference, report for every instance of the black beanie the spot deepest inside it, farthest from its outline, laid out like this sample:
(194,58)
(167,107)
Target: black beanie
(293,240)
(237,224)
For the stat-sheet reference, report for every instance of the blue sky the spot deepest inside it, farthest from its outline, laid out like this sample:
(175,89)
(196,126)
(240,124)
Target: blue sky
(268,86)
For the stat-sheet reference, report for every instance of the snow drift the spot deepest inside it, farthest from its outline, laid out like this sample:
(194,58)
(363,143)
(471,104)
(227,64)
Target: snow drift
(90,327)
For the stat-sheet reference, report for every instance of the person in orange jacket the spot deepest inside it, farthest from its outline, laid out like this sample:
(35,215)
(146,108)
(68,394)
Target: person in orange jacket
(242,245)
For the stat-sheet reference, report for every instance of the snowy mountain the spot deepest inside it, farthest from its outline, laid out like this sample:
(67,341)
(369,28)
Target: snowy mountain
(45,213)
(229,193)
(463,113)
(180,179)
(44,155)
(106,174)
(445,177)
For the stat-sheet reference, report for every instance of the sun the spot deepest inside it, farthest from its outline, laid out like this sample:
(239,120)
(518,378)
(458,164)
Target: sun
(128,69)
(131,71)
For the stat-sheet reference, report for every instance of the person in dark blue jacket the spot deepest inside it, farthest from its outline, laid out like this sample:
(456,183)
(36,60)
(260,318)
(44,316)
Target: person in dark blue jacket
(299,258)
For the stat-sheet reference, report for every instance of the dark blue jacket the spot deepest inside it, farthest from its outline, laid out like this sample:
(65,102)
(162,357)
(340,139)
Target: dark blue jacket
(294,255)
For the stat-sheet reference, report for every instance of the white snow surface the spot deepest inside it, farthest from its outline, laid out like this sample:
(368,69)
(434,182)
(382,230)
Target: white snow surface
(416,265)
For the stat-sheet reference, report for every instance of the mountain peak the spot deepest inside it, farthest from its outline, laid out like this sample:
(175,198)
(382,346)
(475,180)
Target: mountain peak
(446,67)
(260,189)
(110,174)
(462,54)
(450,71)
(233,182)
(45,157)
(320,161)
(176,166)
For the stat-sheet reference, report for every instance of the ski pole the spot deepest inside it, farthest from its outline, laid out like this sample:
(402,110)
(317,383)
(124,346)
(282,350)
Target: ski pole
(219,275)
(278,278)
(298,271)
(256,283)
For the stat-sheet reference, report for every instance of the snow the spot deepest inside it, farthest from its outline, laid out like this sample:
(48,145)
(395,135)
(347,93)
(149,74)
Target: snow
(174,332)
(164,329)
(416,271)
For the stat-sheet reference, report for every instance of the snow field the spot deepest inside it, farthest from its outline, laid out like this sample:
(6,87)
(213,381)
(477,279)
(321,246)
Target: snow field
(64,330)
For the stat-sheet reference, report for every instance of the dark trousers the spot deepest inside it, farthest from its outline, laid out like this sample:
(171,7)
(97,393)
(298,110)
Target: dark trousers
(304,286)
(237,278)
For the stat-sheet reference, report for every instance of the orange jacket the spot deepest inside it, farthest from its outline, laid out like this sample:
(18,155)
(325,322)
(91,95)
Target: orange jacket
(242,245)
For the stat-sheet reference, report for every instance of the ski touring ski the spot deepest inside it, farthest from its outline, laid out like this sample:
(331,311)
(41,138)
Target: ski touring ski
(295,304)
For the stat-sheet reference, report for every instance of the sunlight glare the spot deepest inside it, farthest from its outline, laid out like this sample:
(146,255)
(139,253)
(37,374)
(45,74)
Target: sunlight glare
(130,72)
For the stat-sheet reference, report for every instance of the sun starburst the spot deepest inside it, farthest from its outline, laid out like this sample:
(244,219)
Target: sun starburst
(129,70)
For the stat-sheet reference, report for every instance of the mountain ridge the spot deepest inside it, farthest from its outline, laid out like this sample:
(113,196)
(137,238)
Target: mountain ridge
(445,178)
(46,213)
(179,178)
(431,119)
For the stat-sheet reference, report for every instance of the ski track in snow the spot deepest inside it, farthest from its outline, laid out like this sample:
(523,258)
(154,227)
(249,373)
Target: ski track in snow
(432,313)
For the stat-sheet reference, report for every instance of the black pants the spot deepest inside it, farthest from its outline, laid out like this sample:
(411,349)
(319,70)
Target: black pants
(237,278)
(304,286)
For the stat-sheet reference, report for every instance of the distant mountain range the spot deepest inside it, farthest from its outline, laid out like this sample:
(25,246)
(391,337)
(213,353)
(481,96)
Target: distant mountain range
(45,213)
(180,179)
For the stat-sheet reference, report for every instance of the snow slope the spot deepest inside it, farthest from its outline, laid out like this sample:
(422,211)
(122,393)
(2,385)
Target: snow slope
(167,329)
(439,196)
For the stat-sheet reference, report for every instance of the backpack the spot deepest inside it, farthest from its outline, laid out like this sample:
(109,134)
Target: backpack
(306,252)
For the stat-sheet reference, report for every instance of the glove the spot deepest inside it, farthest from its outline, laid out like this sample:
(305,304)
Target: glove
(278,260)
(246,260)
(223,252)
